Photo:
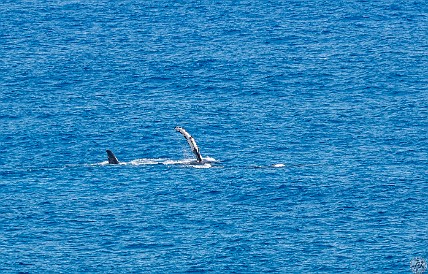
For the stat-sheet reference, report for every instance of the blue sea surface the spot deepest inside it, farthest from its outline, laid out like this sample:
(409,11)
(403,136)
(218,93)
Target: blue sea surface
(315,112)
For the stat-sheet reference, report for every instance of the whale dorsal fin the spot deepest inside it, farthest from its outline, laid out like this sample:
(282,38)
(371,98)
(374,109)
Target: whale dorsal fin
(192,143)
(111,158)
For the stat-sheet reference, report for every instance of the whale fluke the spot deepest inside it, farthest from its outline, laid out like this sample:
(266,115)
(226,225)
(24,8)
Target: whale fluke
(192,143)
(111,158)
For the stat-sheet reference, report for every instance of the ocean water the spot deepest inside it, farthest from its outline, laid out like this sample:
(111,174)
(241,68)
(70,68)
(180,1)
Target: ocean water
(315,112)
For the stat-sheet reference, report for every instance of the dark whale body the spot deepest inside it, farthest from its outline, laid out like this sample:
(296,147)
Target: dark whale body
(112,158)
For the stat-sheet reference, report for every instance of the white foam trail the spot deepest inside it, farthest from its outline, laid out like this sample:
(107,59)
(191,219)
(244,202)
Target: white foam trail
(208,162)
(106,163)
(206,165)
(146,161)
(163,161)
(210,159)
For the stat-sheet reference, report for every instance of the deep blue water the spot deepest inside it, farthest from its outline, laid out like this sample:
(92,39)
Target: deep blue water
(317,113)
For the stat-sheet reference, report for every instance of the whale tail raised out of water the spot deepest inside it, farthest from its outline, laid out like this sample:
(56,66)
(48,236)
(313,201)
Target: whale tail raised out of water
(111,158)
(192,143)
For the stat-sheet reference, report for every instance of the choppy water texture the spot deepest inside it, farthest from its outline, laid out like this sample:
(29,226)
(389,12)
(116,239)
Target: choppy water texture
(316,112)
